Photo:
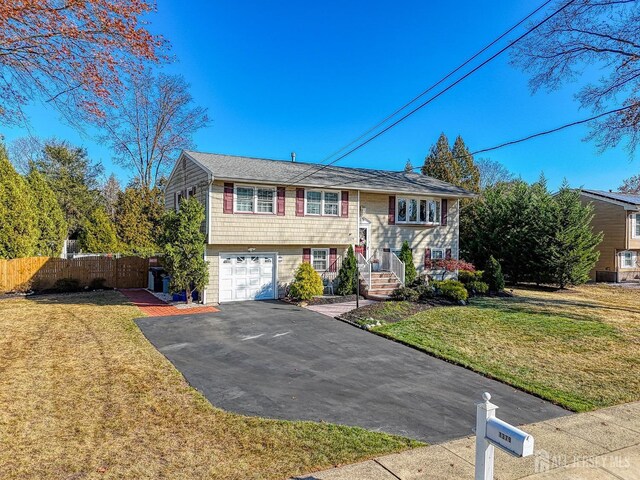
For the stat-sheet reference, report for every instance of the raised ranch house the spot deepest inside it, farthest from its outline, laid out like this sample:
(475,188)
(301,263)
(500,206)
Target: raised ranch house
(617,216)
(265,217)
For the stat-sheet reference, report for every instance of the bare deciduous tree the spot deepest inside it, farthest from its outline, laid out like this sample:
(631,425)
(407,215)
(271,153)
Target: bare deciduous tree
(69,53)
(631,185)
(150,123)
(592,38)
(492,172)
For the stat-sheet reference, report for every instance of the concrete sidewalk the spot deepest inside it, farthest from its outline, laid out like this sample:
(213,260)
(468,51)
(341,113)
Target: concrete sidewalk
(604,444)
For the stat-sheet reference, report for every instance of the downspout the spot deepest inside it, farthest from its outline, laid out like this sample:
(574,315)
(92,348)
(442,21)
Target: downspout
(357,239)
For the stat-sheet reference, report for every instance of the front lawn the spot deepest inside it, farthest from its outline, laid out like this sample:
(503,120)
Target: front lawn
(83,394)
(579,348)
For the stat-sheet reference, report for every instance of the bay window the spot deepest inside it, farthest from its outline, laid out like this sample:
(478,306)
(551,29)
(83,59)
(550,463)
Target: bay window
(318,202)
(254,199)
(418,211)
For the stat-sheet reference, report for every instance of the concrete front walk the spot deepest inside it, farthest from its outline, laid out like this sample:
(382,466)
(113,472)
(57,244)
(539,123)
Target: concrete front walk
(334,310)
(604,444)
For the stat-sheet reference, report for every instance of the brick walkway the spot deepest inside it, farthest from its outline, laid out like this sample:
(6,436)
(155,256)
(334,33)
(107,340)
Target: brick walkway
(154,307)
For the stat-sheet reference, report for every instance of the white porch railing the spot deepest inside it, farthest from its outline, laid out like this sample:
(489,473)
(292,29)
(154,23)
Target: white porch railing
(391,263)
(364,268)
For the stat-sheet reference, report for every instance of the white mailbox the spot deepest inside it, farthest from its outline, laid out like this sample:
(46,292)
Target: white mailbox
(509,438)
(492,431)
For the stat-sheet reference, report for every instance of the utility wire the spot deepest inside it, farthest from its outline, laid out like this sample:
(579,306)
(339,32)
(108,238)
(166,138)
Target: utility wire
(424,92)
(375,173)
(441,92)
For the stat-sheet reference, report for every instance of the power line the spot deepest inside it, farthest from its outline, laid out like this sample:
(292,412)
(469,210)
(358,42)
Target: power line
(441,92)
(505,144)
(424,92)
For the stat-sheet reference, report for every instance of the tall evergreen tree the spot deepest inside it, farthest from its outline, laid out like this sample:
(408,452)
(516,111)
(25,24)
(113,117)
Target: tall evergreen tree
(408,167)
(138,219)
(18,219)
(52,228)
(440,163)
(183,243)
(75,180)
(573,246)
(468,172)
(98,234)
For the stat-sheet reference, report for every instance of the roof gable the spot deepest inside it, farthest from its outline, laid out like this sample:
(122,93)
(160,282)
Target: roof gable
(230,167)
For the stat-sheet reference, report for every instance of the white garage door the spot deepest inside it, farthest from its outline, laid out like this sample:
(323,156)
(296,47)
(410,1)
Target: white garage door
(247,277)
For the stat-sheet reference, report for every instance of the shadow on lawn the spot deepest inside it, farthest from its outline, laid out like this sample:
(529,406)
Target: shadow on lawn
(97,298)
(556,306)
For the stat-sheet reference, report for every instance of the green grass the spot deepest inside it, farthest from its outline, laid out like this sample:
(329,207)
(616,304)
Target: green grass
(578,348)
(83,394)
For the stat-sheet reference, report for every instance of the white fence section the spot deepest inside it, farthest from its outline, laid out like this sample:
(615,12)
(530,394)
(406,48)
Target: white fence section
(391,263)
(364,268)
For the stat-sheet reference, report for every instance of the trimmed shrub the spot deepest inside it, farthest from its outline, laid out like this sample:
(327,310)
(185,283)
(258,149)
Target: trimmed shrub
(420,280)
(405,293)
(492,275)
(348,274)
(467,276)
(306,284)
(98,284)
(477,288)
(406,256)
(425,292)
(66,285)
(451,289)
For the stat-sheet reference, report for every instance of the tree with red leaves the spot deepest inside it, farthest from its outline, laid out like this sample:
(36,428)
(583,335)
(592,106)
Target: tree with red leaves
(451,265)
(70,53)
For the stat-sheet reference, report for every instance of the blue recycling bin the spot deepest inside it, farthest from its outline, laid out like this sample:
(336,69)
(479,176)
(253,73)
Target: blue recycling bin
(165,284)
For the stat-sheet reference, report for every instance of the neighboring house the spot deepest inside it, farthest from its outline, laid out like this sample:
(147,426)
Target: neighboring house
(265,217)
(617,216)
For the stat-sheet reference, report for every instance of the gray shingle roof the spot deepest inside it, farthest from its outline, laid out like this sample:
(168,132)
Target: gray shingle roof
(618,196)
(230,167)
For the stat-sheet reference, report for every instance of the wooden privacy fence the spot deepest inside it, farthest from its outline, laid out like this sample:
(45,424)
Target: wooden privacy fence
(40,273)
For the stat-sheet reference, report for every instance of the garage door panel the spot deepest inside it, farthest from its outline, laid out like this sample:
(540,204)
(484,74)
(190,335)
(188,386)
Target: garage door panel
(244,277)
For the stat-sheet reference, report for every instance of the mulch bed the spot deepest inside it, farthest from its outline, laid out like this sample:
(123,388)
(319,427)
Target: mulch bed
(374,311)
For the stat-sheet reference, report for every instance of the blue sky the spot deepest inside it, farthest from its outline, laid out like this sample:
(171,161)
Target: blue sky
(310,77)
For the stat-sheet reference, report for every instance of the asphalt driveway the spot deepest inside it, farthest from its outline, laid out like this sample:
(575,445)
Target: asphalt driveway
(276,360)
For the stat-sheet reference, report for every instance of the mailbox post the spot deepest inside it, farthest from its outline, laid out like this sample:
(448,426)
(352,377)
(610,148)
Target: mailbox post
(492,432)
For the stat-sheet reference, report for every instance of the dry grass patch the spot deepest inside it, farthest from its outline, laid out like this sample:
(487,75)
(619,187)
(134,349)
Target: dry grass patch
(579,348)
(84,395)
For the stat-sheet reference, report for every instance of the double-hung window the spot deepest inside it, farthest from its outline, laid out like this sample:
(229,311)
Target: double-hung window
(320,259)
(322,203)
(635,225)
(254,199)
(418,211)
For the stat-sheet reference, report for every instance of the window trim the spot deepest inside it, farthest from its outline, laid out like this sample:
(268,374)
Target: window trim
(635,225)
(312,255)
(441,250)
(254,207)
(407,199)
(322,203)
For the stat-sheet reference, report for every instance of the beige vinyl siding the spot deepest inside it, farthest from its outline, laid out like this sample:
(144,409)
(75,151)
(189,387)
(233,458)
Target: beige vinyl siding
(610,219)
(289,258)
(634,243)
(186,174)
(419,237)
(271,229)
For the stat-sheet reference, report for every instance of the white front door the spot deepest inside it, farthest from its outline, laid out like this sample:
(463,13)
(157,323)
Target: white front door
(247,277)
